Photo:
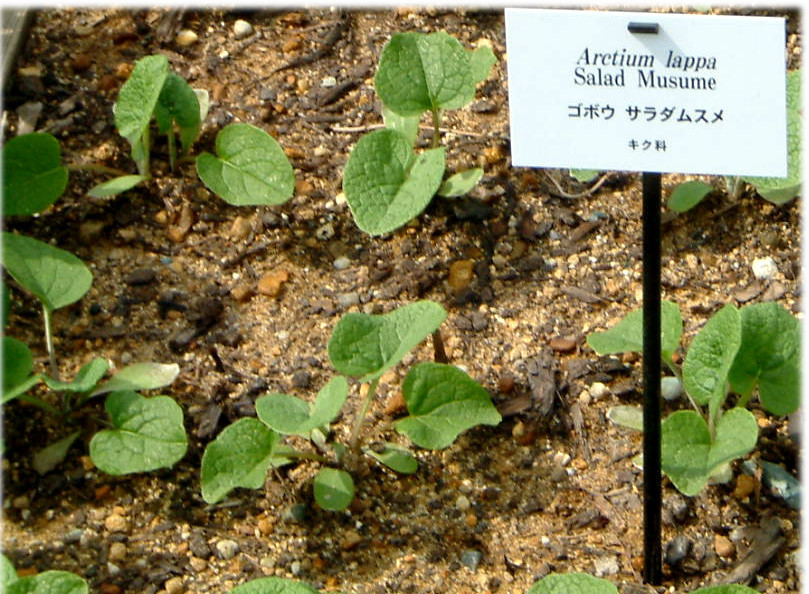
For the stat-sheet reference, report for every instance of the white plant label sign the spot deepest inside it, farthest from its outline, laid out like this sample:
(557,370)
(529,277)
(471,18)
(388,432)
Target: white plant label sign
(702,95)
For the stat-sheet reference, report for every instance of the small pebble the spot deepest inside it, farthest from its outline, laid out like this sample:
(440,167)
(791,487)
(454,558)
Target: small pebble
(350,541)
(677,550)
(186,37)
(598,390)
(764,268)
(227,549)
(341,263)
(325,232)
(461,273)
(174,585)
(295,568)
(462,503)
(242,29)
(117,552)
(723,546)
(328,82)
(271,283)
(346,300)
(671,388)
(471,559)
(116,523)
(562,344)
(604,566)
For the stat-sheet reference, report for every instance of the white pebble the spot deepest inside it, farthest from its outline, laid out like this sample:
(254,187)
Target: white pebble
(242,28)
(328,82)
(342,263)
(764,268)
(598,390)
(227,549)
(462,503)
(671,388)
(186,37)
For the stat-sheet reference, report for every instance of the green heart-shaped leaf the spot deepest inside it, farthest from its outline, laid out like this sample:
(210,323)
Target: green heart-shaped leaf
(273,585)
(251,168)
(419,72)
(49,582)
(460,183)
(138,96)
(572,583)
(239,457)
(688,194)
(395,457)
(708,361)
(140,376)
(385,185)
(689,456)
(334,489)
(443,402)
(54,276)
(292,416)
(33,175)
(148,434)
(178,104)
(769,357)
(627,335)
(365,346)
(86,379)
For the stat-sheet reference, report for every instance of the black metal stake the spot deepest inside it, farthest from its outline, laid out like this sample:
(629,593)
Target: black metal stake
(652,474)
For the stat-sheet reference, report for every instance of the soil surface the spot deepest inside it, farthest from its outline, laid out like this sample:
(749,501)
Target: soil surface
(244,300)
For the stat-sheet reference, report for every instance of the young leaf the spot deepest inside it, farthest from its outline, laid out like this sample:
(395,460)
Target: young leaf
(147,434)
(627,335)
(140,376)
(86,379)
(408,126)
(481,61)
(115,186)
(726,589)
(769,357)
(273,585)
(419,72)
(334,489)
(178,104)
(8,575)
(33,175)
(584,175)
(47,582)
(18,364)
(292,416)
(780,190)
(627,416)
(688,194)
(708,361)
(384,186)
(689,457)
(56,277)
(443,402)
(138,96)
(365,346)
(239,457)
(51,456)
(395,457)
(572,583)
(460,183)
(251,168)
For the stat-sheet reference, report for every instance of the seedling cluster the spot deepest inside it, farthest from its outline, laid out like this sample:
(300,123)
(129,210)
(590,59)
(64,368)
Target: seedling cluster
(740,351)
(442,401)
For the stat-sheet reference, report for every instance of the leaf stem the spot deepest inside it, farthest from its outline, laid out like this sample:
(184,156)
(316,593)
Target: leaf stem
(366,404)
(46,314)
(436,128)
(96,168)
